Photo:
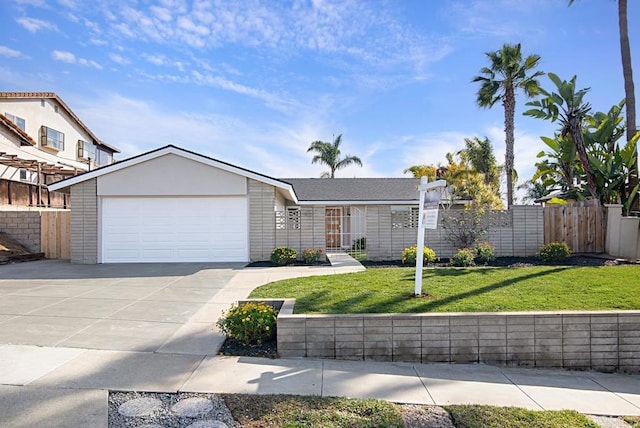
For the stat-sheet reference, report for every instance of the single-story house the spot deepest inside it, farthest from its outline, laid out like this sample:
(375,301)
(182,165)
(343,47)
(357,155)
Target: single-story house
(174,205)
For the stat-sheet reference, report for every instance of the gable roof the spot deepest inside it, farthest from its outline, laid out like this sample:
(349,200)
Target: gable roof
(171,149)
(356,190)
(13,128)
(54,96)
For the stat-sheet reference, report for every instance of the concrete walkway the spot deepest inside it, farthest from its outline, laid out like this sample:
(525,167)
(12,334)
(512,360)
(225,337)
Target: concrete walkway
(47,386)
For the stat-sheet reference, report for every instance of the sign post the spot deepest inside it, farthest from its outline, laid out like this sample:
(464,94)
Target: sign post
(427,219)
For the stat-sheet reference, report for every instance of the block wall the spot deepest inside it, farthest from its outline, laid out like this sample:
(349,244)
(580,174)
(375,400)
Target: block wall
(22,226)
(84,223)
(602,341)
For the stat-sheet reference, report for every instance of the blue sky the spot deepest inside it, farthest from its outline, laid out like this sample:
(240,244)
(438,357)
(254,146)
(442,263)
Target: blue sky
(255,82)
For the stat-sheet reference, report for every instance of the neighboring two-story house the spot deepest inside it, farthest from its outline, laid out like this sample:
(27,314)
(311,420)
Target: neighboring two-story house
(43,141)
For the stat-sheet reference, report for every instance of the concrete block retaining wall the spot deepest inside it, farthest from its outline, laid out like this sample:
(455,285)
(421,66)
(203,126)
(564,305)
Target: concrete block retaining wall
(603,341)
(23,226)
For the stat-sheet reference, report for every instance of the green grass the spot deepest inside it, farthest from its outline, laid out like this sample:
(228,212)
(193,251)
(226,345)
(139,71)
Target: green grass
(467,416)
(290,411)
(540,288)
(634,421)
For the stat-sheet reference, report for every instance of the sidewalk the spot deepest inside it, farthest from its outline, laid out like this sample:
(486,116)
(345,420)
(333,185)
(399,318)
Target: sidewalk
(56,386)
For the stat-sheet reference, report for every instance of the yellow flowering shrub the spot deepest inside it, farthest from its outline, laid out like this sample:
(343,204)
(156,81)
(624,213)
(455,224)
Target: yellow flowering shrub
(251,323)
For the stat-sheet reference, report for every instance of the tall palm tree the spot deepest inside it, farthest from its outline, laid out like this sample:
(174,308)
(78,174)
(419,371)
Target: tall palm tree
(498,82)
(629,90)
(329,154)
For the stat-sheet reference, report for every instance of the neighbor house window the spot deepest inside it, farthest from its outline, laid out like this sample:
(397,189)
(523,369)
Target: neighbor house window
(24,175)
(86,150)
(20,123)
(51,138)
(102,157)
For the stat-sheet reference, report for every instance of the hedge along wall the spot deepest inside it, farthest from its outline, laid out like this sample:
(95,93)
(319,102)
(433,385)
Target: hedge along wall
(603,341)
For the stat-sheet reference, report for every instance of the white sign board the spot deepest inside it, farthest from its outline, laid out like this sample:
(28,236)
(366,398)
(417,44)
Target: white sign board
(429,201)
(429,209)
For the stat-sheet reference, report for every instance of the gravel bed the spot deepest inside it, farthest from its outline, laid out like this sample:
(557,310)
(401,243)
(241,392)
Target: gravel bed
(145,409)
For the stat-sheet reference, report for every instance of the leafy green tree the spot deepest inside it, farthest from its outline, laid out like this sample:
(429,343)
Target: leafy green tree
(479,155)
(508,72)
(559,168)
(534,189)
(329,154)
(417,171)
(567,107)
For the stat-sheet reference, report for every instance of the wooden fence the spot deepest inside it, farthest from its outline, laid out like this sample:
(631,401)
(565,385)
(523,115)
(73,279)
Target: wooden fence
(578,224)
(55,234)
(16,193)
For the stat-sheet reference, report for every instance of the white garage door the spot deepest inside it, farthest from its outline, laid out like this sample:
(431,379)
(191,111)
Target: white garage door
(174,229)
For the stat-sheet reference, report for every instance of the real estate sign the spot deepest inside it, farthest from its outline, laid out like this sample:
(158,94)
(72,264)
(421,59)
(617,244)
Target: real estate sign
(428,219)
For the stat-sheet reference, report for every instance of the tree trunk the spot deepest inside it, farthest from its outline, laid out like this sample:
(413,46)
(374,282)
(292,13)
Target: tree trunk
(629,94)
(509,112)
(575,129)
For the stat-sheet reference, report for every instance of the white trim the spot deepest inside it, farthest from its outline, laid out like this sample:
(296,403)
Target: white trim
(372,202)
(179,152)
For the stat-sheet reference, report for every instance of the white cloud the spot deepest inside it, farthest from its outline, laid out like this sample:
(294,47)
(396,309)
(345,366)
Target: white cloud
(11,53)
(70,58)
(64,56)
(33,25)
(118,59)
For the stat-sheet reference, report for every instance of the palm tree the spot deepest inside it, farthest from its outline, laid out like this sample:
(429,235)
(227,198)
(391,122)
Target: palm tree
(629,90)
(498,82)
(479,154)
(329,154)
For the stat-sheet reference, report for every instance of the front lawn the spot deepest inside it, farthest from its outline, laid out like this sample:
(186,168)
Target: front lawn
(538,288)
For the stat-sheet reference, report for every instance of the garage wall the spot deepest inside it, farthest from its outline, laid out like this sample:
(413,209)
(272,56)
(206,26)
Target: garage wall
(171,175)
(84,223)
(262,220)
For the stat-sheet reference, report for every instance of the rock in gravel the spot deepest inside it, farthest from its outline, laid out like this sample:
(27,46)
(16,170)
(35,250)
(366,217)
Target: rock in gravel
(426,417)
(140,407)
(192,407)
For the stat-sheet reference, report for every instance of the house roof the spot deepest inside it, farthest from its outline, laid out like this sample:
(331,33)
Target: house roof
(13,128)
(356,190)
(171,149)
(54,96)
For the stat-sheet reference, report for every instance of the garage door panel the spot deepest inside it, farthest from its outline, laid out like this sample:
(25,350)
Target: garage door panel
(174,229)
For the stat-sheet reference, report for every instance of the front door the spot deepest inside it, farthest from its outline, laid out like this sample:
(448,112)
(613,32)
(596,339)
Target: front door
(333,227)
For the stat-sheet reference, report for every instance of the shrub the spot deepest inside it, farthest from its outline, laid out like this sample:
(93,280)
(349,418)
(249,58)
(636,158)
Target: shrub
(312,255)
(409,255)
(359,244)
(463,257)
(554,252)
(485,252)
(252,323)
(283,256)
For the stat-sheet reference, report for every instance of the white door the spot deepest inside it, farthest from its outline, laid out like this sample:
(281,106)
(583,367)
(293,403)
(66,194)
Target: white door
(174,229)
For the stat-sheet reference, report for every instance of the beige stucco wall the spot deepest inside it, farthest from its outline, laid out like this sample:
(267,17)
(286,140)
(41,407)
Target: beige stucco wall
(84,223)
(171,175)
(38,112)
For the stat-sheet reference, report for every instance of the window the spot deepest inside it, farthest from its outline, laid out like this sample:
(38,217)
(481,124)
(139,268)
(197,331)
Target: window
(102,157)
(20,123)
(86,150)
(51,138)
(24,175)
(404,217)
(289,219)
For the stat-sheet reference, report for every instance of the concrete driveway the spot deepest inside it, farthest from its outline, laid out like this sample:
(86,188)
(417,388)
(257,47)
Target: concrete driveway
(122,307)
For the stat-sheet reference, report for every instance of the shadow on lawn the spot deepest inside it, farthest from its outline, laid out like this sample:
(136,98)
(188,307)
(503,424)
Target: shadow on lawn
(316,302)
